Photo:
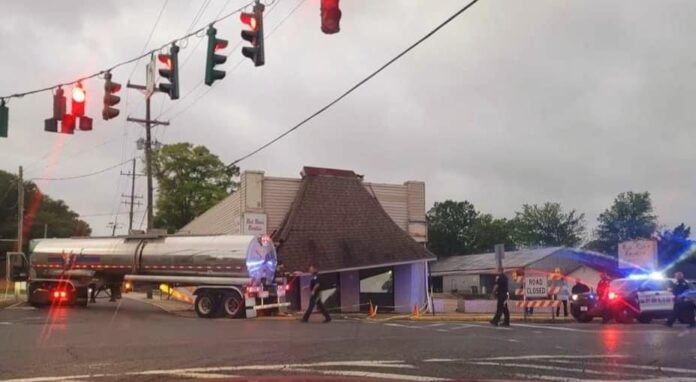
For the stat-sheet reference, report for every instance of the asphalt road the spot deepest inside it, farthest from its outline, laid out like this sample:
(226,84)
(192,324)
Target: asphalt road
(135,341)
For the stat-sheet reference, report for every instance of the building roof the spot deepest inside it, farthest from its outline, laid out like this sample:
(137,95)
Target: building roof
(486,263)
(336,224)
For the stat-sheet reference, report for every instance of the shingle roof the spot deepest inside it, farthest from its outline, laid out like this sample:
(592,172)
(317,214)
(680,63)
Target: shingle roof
(486,261)
(334,223)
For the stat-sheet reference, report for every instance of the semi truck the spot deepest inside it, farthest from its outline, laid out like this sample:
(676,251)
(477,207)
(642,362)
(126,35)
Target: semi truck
(231,275)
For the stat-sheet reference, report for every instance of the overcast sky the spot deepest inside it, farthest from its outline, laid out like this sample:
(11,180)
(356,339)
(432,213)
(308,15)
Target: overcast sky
(514,102)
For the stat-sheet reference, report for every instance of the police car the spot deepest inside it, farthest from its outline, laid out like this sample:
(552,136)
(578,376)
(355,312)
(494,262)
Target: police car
(640,297)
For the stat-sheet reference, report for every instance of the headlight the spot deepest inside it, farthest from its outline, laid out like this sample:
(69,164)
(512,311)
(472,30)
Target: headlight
(575,297)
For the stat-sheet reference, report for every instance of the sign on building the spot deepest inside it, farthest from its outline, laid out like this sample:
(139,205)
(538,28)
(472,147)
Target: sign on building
(253,224)
(536,286)
(638,253)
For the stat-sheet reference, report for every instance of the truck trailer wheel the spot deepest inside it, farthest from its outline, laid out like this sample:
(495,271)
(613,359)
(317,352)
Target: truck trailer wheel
(206,305)
(233,305)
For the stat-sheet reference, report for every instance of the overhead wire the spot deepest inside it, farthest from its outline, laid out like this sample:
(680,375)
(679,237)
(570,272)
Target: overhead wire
(83,175)
(357,85)
(129,61)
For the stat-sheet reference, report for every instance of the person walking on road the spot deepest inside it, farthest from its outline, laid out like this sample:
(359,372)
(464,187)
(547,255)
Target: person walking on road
(684,309)
(563,295)
(603,296)
(315,297)
(500,291)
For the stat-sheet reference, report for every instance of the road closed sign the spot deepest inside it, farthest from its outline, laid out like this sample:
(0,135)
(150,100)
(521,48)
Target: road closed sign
(536,286)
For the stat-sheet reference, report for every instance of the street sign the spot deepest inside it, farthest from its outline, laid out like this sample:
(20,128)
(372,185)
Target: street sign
(638,254)
(150,74)
(535,286)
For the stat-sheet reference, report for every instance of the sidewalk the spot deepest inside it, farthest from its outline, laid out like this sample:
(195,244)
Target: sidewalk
(173,306)
(10,299)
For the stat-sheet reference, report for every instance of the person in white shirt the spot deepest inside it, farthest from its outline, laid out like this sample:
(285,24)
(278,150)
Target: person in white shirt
(563,295)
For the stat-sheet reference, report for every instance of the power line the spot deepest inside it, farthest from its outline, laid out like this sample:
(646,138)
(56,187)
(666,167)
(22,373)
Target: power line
(152,32)
(85,175)
(356,86)
(109,214)
(234,48)
(101,72)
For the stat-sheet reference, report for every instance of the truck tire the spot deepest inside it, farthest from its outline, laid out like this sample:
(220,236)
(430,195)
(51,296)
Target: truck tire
(233,305)
(206,305)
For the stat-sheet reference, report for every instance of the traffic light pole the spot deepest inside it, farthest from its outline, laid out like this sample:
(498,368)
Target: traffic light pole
(148,150)
(20,210)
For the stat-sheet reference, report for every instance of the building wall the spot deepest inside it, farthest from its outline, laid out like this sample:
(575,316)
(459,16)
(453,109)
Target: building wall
(586,274)
(273,196)
(350,291)
(461,283)
(409,286)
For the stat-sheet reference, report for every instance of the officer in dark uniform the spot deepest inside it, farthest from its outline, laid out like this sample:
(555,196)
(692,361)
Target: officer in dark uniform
(603,296)
(681,308)
(500,291)
(315,298)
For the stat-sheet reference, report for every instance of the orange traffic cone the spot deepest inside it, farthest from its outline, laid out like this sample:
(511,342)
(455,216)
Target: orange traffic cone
(370,311)
(416,312)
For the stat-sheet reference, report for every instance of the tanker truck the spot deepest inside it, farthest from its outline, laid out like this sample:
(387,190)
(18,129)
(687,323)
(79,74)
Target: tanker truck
(233,275)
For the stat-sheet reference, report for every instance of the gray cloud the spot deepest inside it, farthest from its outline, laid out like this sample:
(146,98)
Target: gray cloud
(514,102)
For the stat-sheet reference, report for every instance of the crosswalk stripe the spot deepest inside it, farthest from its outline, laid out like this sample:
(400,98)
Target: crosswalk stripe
(558,369)
(678,370)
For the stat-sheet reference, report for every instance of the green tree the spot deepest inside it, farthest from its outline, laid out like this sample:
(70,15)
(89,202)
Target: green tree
(630,217)
(489,231)
(450,226)
(40,211)
(547,226)
(190,181)
(456,228)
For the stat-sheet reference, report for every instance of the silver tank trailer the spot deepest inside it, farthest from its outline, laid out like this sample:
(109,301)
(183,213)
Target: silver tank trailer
(202,256)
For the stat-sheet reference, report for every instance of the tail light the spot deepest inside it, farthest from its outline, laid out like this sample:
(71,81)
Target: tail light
(287,287)
(56,294)
(612,296)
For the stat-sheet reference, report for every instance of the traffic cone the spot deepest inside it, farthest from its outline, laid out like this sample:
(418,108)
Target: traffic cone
(370,311)
(416,312)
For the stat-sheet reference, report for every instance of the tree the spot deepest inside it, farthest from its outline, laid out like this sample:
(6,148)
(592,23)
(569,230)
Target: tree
(630,217)
(672,244)
(489,231)
(191,180)
(40,211)
(547,226)
(456,228)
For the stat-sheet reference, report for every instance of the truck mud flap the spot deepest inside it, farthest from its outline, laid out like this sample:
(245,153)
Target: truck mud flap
(250,305)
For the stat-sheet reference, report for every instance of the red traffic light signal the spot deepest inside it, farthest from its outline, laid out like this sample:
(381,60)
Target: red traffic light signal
(170,72)
(330,16)
(254,35)
(78,100)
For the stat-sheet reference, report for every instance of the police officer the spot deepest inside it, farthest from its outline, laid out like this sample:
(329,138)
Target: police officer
(681,308)
(315,298)
(500,291)
(603,296)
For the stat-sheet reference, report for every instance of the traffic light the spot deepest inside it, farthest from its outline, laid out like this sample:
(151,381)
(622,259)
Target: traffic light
(4,116)
(330,16)
(254,34)
(110,97)
(171,73)
(78,100)
(212,59)
(59,105)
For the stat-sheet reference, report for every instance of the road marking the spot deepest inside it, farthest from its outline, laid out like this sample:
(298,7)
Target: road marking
(280,367)
(203,375)
(526,357)
(557,369)
(370,374)
(434,325)
(513,340)
(442,330)
(678,370)
(5,323)
(539,377)
(684,333)
(403,326)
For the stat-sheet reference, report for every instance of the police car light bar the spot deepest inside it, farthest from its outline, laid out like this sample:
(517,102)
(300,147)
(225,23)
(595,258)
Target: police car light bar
(652,276)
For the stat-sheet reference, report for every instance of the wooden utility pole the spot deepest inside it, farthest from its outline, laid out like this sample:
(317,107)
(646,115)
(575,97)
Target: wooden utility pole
(132,197)
(20,210)
(148,150)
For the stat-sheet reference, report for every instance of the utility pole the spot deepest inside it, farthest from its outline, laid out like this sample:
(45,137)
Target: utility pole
(113,225)
(148,123)
(45,230)
(20,210)
(132,197)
